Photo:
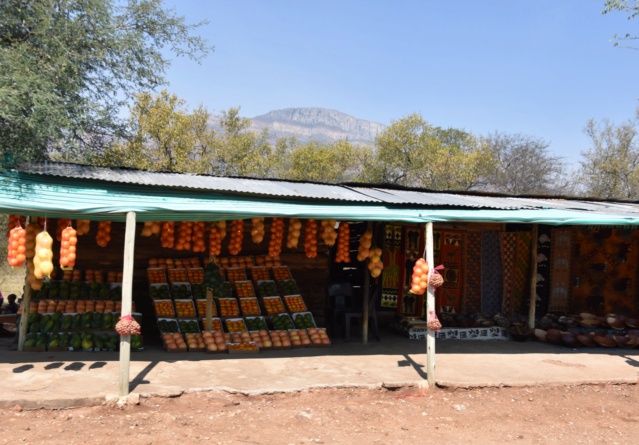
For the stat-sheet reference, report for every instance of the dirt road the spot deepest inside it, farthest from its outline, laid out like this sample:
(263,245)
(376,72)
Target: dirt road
(606,414)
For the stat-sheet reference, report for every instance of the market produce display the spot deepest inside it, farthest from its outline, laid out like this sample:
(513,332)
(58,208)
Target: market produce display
(257,230)
(43,260)
(299,338)
(419,279)
(17,247)
(164,308)
(229,307)
(256,323)
(273,305)
(244,289)
(375,264)
(103,237)
(295,303)
(249,306)
(61,224)
(187,326)
(195,275)
(237,234)
(167,236)
(236,325)
(197,238)
(178,275)
(277,237)
(198,291)
(201,308)
(16,221)
(234,274)
(159,291)
(82,226)
(310,238)
(319,337)
(365,243)
(287,287)
(214,341)
(68,245)
(294,232)
(215,240)
(304,320)
(185,308)
(180,290)
(174,342)
(343,244)
(329,235)
(168,325)
(282,321)
(281,273)
(259,273)
(266,288)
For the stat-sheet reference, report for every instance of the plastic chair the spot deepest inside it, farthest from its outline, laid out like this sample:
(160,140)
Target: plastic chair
(358,315)
(340,301)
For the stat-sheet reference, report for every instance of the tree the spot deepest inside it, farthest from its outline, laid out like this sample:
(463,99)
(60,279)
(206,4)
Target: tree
(165,136)
(631,10)
(411,152)
(330,163)
(68,67)
(523,165)
(610,168)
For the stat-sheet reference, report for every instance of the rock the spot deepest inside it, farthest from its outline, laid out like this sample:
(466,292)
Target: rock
(16,408)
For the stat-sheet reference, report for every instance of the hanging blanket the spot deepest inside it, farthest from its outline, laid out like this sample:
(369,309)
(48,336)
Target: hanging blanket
(491,274)
(451,250)
(472,285)
(507,249)
(543,269)
(521,279)
(559,298)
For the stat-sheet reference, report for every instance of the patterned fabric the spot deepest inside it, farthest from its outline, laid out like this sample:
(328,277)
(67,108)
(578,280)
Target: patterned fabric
(472,260)
(521,280)
(393,264)
(507,249)
(543,268)
(491,273)
(559,298)
(448,296)
(604,267)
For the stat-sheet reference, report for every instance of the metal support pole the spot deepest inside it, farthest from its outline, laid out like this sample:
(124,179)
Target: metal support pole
(430,306)
(127,297)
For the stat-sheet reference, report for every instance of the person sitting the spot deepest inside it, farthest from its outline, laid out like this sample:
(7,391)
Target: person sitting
(12,306)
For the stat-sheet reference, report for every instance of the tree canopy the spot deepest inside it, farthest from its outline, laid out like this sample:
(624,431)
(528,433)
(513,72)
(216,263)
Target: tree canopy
(68,67)
(631,9)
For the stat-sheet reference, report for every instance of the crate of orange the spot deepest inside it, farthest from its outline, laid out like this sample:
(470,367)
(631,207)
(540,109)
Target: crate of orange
(250,306)
(259,273)
(295,303)
(236,325)
(243,348)
(195,275)
(244,289)
(178,275)
(201,308)
(185,308)
(234,274)
(216,324)
(273,305)
(229,307)
(164,308)
(156,275)
(281,273)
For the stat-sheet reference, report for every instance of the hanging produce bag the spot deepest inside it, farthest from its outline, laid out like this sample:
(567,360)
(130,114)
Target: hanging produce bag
(127,326)
(436,279)
(433,322)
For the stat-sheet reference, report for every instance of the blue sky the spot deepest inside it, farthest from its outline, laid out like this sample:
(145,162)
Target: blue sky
(537,67)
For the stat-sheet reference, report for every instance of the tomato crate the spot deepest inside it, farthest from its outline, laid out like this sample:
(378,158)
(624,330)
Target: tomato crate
(281,273)
(229,307)
(236,325)
(201,308)
(295,303)
(195,275)
(250,306)
(234,274)
(244,289)
(185,308)
(164,308)
(178,275)
(259,273)
(273,305)
(156,275)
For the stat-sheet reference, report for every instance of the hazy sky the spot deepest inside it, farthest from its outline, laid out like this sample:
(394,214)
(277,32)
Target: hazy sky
(537,67)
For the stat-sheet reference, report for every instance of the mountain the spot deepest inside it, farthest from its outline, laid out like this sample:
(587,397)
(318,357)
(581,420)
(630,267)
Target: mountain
(318,124)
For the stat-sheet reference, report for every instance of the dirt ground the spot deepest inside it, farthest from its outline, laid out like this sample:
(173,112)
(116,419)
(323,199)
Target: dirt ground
(533,415)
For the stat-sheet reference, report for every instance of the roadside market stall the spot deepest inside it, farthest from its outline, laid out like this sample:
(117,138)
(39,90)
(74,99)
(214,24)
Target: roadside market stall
(133,215)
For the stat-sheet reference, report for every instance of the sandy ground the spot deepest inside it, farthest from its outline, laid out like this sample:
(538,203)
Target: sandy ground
(585,414)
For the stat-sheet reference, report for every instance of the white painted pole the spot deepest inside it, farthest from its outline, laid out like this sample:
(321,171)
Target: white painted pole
(430,306)
(127,292)
(26,302)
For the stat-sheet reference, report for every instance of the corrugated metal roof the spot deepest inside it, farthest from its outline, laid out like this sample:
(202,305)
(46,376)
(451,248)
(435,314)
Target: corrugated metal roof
(257,187)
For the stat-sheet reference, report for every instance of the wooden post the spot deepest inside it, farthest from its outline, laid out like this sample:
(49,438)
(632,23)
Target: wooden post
(366,297)
(533,277)
(24,318)
(208,322)
(430,306)
(127,292)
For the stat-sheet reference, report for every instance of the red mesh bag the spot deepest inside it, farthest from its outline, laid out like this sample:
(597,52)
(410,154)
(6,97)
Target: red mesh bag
(127,326)
(436,279)
(433,322)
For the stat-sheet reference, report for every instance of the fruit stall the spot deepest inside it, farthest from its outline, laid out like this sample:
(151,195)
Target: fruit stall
(232,265)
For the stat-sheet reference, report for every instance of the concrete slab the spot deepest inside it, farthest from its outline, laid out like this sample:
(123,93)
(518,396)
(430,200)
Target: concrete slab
(68,379)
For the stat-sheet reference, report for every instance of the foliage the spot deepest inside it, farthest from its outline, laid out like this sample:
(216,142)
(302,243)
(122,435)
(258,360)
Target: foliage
(411,152)
(522,165)
(631,10)
(610,168)
(67,68)
(330,163)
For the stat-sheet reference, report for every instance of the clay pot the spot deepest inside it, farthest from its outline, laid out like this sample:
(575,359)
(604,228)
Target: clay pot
(540,334)
(623,341)
(632,323)
(604,341)
(587,316)
(554,336)
(586,340)
(569,339)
